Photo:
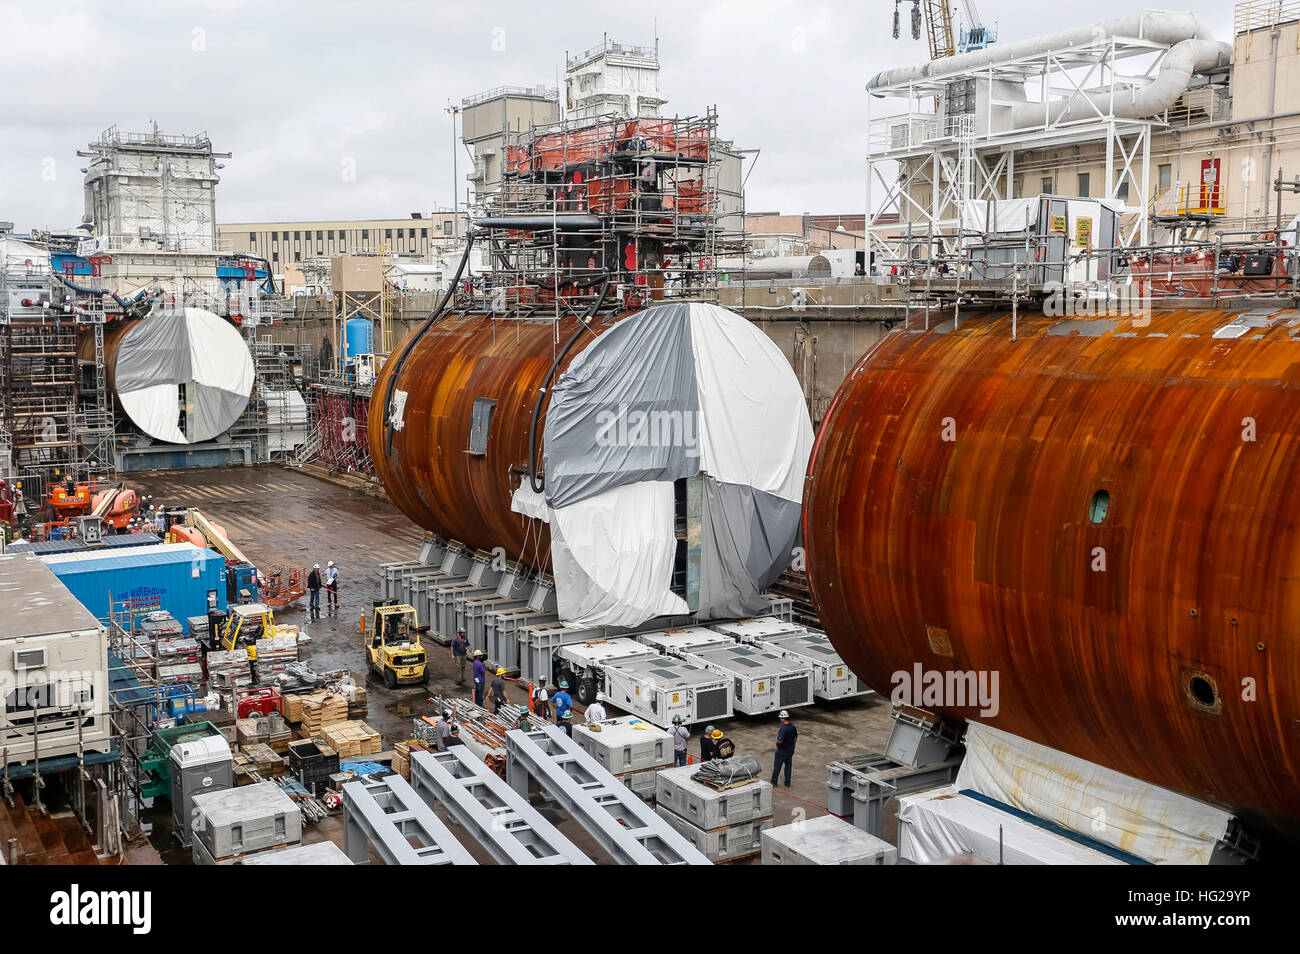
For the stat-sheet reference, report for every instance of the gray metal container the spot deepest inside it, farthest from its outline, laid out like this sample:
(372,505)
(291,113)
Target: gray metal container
(620,747)
(247,819)
(320,853)
(721,844)
(641,783)
(198,766)
(707,808)
(825,840)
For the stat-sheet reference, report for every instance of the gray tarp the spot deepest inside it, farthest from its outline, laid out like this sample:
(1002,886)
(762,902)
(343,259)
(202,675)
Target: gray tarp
(185,352)
(678,390)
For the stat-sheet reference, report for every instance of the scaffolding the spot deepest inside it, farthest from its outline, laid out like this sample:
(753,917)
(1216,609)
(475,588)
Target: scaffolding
(639,199)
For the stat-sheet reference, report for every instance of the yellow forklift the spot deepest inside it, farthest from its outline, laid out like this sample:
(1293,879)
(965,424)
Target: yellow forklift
(393,649)
(249,622)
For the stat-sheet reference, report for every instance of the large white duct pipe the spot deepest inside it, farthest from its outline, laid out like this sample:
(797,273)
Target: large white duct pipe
(1192,50)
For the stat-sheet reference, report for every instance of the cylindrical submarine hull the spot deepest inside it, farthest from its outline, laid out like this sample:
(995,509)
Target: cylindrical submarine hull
(430,473)
(1102,513)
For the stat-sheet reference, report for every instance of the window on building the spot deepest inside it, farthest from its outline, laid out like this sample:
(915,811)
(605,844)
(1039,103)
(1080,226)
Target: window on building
(284,236)
(297,256)
(252,237)
(297,236)
(275,256)
(410,233)
(365,233)
(424,233)
(1165,173)
(319,235)
(1047,185)
(446,227)
(1122,192)
(1085,181)
(388,233)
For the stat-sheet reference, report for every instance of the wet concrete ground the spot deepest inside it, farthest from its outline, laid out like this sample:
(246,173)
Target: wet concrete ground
(277,515)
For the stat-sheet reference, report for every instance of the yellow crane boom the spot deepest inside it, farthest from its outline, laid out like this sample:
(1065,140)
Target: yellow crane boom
(216,537)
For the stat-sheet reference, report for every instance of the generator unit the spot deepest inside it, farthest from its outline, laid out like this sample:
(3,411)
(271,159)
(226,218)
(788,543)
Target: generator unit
(832,678)
(761,681)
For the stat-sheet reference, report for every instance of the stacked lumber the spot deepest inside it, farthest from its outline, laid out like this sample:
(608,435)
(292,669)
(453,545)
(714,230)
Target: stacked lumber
(402,753)
(357,705)
(351,739)
(320,710)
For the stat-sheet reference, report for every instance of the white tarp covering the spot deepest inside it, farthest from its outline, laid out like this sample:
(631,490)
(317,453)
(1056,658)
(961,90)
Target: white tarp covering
(941,824)
(1145,820)
(678,391)
(183,375)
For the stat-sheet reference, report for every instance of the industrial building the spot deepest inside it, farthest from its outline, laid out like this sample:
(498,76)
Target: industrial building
(602,520)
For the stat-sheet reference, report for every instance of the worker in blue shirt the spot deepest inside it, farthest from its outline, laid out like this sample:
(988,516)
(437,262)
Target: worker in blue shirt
(480,678)
(562,702)
(785,739)
(459,650)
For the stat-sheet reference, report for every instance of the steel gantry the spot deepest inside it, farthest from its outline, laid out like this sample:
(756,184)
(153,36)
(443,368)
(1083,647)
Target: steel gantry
(502,821)
(618,819)
(388,814)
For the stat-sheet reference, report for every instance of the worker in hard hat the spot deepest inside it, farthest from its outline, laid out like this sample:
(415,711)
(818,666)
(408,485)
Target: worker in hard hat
(453,738)
(708,749)
(785,739)
(541,701)
(563,701)
(596,711)
(498,690)
(459,652)
(313,592)
(681,735)
(480,678)
(566,722)
(332,584)
(723,747)
(442,730)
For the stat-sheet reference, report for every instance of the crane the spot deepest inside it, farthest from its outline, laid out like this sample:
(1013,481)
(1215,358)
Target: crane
(936,16)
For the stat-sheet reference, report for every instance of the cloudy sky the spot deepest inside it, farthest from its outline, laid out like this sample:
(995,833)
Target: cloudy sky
(297,89)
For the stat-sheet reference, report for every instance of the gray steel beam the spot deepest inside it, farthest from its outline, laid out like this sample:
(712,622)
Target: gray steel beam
(388,814)
(619,820)
(511,830)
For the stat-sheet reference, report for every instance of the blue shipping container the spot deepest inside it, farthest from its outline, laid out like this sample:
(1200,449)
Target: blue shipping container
(177,576)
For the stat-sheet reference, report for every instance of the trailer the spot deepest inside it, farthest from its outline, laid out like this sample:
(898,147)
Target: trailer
(638,679)
(832,678)
(53,665)
(761,681)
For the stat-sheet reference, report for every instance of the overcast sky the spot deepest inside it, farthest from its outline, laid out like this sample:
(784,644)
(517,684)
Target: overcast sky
(296,89)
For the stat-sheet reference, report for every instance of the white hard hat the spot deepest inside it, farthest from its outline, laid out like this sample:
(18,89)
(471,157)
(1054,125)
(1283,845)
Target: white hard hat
(316,567)
(785,713)
(331,563)
(600,697)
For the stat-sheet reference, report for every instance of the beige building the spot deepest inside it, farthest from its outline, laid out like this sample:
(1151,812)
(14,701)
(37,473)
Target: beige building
(288,243)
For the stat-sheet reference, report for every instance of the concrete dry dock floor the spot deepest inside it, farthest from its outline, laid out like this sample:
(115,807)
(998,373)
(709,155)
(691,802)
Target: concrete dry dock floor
(277,515)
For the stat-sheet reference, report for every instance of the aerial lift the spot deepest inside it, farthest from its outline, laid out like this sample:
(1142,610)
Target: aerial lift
(243,583)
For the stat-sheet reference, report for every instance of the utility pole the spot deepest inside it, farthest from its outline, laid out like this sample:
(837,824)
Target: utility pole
(454,111)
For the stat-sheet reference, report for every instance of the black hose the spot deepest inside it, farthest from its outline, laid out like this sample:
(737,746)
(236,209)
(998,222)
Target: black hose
(410,343)
(537,408)
(83,290)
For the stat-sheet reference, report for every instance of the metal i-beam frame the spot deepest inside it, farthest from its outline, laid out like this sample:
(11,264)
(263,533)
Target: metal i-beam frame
(511,830)
(619,820)
(386,813)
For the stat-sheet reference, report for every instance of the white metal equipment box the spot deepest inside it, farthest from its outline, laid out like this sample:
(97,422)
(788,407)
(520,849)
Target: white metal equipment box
(825,840)
(706,807)
(626,744)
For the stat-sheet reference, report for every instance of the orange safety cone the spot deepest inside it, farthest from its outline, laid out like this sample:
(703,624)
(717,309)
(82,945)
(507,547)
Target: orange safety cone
(363,622)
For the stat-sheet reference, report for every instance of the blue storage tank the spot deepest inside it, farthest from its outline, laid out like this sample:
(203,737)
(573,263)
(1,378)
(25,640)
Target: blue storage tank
(177,575)
(359,334)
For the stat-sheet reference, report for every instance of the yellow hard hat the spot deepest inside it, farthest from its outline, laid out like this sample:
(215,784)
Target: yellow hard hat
(500,671)
(717,734)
